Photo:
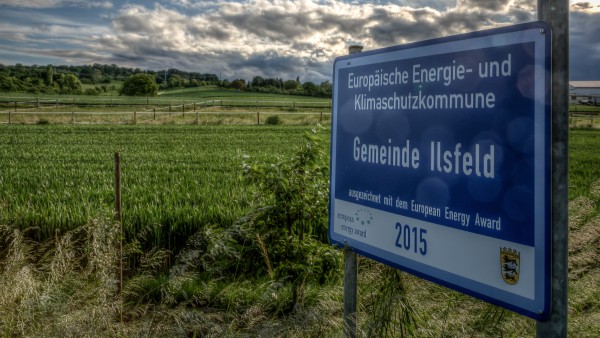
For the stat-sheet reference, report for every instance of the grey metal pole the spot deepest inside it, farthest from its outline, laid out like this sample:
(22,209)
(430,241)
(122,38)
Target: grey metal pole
(350,270)
(350,291)
(556,14)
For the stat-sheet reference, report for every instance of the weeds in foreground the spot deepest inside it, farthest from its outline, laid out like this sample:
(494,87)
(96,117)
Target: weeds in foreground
(64,287)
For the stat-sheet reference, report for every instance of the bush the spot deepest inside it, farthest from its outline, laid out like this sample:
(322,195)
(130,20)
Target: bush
(273,120)
(140,85)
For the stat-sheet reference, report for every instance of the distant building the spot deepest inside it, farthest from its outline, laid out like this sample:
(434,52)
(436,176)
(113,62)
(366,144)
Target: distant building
(584,90)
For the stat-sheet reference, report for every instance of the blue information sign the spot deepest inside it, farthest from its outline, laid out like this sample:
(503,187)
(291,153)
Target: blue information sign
(440,162)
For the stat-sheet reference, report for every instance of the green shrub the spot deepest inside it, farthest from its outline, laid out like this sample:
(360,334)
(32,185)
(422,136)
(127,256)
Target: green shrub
(273,120)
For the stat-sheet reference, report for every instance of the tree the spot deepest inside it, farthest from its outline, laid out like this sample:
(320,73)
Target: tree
(140,85)
(291,85)
(238,84)
(49,75)
(310,88)
(69,84)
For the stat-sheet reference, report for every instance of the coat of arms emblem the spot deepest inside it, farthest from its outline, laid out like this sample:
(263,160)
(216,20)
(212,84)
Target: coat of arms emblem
(509,265)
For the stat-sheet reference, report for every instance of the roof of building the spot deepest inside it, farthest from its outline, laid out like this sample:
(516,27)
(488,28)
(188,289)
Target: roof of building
(584,84)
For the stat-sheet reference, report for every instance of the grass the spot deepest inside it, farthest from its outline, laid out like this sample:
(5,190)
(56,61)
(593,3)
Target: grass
(66,285)
(203,105)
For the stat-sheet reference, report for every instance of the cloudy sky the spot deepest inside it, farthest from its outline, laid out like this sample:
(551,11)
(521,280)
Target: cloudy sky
(271,38)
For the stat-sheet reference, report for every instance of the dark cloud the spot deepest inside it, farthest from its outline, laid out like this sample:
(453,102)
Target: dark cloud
(491,5)
(584,58)
(275,38)
(582,6)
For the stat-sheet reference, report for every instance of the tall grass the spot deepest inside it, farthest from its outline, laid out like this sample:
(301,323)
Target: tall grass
(64,286)
(229,279)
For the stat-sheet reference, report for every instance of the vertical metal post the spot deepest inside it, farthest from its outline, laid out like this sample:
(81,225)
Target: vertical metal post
(9,117)
(556,14)
(350,271)
(350,291)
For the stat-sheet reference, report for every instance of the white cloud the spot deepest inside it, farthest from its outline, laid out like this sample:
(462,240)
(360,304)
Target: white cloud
(56,3)
(279,38)
(32,3)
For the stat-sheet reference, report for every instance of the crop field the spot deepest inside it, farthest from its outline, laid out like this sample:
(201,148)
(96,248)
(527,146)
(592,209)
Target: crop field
(174,177)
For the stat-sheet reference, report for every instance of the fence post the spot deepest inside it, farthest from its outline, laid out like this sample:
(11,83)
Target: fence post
(118,215)
(169,109)
(73,117)
(321,118)
(9,117)
(183,107)
(134,117)
(194,106)
(197,117)
(257,117)
(37,102)
(154,113)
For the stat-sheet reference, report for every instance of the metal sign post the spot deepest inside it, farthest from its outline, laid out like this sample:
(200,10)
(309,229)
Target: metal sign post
(350,270)
(556,14)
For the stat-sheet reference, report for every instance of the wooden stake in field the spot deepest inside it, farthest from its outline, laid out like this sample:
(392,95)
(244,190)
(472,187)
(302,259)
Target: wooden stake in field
(118,219)
(118,215)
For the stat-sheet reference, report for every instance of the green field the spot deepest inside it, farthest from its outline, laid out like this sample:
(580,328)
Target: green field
(183,181)
(202,105)
(175,177)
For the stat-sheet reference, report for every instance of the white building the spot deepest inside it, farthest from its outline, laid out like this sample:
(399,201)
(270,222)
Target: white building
(584,89)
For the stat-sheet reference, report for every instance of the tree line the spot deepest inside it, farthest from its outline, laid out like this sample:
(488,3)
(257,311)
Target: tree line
(98,79)
(279,86)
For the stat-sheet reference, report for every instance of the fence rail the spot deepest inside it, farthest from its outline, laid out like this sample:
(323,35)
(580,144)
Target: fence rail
(161,116)
(33,103)
(582,120)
